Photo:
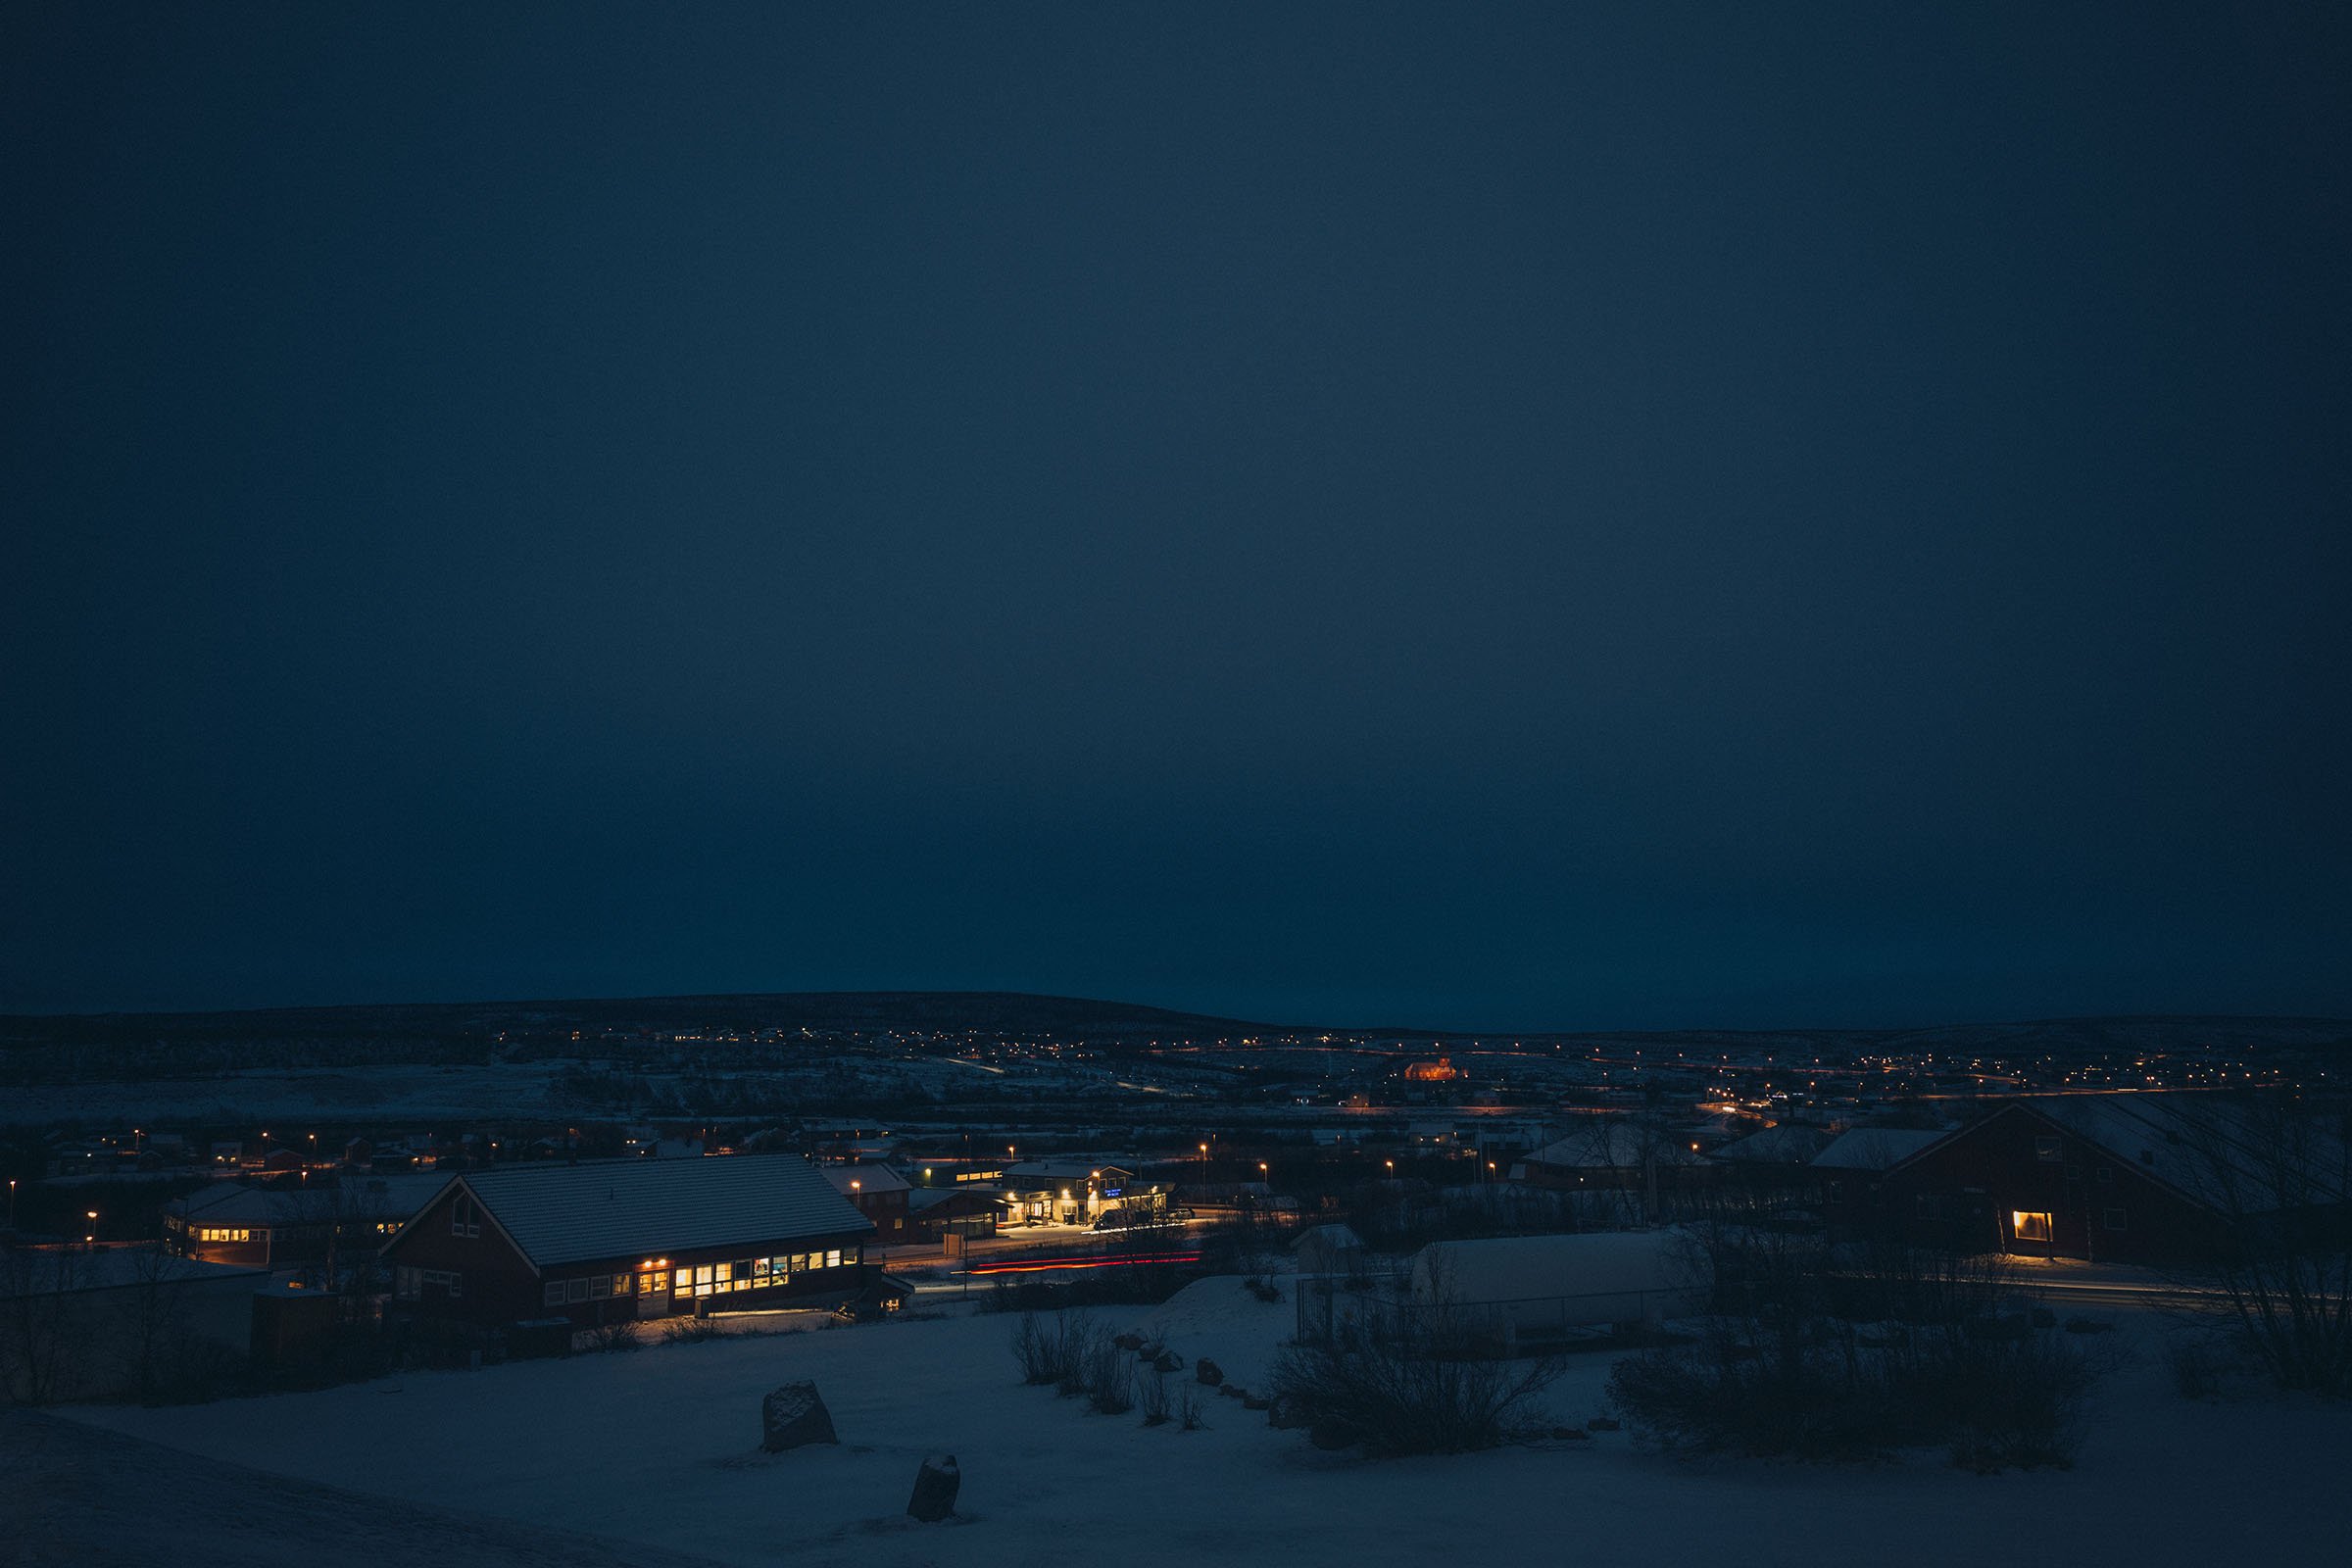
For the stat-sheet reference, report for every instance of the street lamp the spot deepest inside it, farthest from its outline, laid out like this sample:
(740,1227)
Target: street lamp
(91,1239)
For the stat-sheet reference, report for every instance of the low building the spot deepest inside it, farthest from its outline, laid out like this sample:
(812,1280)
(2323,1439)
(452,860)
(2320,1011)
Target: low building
(1329,1249)
(935,1213)
(879,1194)
(609,1241)
(87,1323)
(2155,1179)
(1072,1191)
(265,1227)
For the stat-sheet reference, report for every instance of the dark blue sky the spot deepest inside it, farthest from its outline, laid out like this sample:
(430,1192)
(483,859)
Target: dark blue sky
(1551,515)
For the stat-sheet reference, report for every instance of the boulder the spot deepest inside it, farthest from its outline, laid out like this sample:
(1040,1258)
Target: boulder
(1604,1423)
(1232,1390)
(1130,1340)
(1570,1434)
(793,1415)
(935,1486)
(1167,1361)
(1250,1401)
(1208,1372)
(1283,1413)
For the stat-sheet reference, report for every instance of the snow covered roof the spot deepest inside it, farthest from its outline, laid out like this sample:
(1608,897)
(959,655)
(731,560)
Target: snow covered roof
(928,1197)
(863,1178)
(1063,1170)
(1615,1145)
(1518,1268)
(2236,1158)
(356,1198)
(1329,1238)
(1789,1145)
(1875,1148)
(65,1270)
(574,1213)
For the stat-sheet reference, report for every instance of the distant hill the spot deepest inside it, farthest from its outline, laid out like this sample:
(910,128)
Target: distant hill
(1000,1012)
(1010,1013)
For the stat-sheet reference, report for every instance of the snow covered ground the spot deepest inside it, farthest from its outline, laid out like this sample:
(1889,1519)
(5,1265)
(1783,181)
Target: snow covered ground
(659,1447)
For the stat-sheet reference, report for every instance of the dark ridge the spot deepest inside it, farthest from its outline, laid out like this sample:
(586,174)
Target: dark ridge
(946,1011)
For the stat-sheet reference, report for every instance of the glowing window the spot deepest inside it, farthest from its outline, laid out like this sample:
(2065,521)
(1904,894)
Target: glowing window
(2029,1227)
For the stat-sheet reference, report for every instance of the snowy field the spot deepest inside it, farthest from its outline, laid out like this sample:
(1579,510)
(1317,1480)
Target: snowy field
(378,1093)
(660,1449)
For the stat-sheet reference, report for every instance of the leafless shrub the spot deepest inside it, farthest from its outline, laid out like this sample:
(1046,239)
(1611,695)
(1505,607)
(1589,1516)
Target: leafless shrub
(1817,1357)
(1152,1394)
(1056,1350)
(618,1335)
(691,1331)
(1110,1378)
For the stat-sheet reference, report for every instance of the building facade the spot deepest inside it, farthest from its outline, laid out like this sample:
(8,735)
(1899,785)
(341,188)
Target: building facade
(604,1242)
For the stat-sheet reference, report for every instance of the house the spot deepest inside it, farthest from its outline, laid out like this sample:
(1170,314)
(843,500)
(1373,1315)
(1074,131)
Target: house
(879,1194)
(1072,1191)
(934,1213)
(2154,1179)
(260,1227)
(1514,1291)
(1329,1249)
(602,1241)
(83,1323)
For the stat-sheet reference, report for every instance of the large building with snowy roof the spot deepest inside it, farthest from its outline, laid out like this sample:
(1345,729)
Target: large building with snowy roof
(2126,1177)
(608,1242)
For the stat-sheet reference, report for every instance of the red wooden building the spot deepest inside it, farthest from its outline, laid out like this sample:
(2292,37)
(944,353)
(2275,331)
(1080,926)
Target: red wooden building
(2150,1179)
(602,1241)
(879,1194)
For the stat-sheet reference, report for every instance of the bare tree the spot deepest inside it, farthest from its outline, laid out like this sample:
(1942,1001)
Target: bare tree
(43,1332)
(2277,1172)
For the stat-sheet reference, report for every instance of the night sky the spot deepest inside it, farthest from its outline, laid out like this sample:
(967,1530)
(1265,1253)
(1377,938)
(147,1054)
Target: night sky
(1570,516)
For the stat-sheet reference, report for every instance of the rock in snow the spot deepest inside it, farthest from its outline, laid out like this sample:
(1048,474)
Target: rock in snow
(1208,1372)
(793,1415)
(935,1486)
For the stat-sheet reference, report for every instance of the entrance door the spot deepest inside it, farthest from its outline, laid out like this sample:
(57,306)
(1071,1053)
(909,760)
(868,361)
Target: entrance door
(653,1293)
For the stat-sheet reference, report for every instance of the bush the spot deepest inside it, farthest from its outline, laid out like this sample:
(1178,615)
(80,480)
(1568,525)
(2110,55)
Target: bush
(1411,1389)
(1188,1408)
(691,1331)
(2197,1366)
(1057,1352)
(1110,1378)
(1782,1377)
(611,1337)
(1151,1393)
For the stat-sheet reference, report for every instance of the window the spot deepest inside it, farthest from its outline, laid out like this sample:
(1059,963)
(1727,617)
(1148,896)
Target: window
(555,1293)
(405,1282)
(465,1216)
(443,1280)
(833,1259)
(2030,1226)
(2073,1173)
(2105,1175)
(575,1289)
(2116,1219)
(2049,1150)
(600,1288)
